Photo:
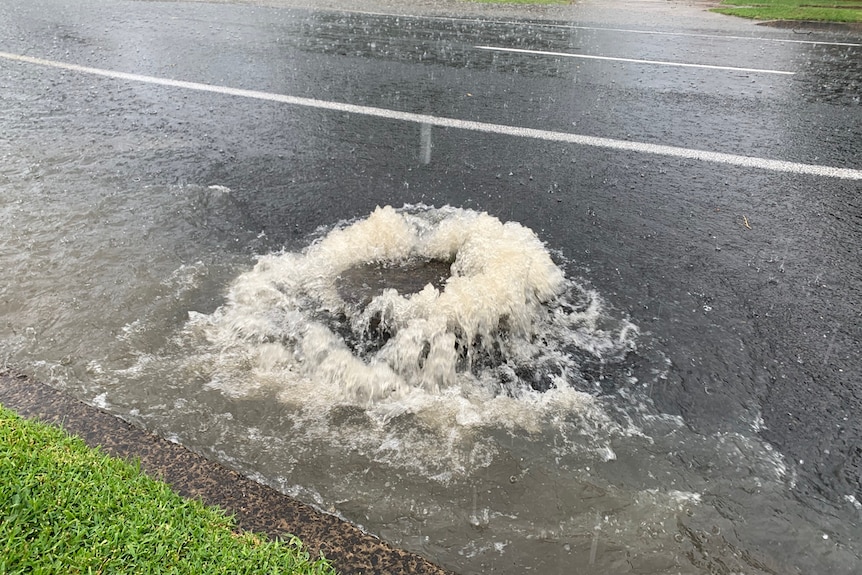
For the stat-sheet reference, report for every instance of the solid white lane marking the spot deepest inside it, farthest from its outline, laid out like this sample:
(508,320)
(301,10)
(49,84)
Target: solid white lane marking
(632,60)
(483,127)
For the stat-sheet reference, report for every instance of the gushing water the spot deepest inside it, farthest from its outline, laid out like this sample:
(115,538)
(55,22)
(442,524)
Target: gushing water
(432,375)
(496,318)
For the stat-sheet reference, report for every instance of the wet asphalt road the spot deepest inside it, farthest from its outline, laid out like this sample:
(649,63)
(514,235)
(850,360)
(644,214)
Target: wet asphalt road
(749,280)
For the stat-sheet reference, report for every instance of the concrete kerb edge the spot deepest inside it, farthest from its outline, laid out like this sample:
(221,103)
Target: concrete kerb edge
(256,507)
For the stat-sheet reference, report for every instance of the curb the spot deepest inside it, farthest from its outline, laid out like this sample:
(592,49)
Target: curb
(256,507)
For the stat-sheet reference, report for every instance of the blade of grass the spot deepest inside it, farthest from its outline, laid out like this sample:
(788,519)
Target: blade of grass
(813,10)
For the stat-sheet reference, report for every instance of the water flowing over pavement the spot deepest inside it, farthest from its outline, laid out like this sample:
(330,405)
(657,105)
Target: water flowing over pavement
(254,506)
(517,289)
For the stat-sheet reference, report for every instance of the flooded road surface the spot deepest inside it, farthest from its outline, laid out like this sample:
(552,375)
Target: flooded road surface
(522,296)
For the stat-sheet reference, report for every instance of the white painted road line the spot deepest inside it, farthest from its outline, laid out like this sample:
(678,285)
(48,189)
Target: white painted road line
(632,60)
(549,136)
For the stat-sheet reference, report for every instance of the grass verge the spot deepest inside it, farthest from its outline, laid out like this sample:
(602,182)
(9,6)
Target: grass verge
(66,508)
(815,10)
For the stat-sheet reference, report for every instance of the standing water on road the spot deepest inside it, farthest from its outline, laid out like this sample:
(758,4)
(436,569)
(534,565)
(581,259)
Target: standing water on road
(433,375)
(575,369)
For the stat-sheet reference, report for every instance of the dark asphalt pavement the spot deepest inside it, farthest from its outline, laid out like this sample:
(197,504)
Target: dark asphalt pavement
(749,280)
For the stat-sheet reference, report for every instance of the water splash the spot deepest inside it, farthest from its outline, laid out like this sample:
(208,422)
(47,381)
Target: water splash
(409,306)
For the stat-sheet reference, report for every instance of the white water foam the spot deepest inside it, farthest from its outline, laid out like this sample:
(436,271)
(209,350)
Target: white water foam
(506,314)
(498,343)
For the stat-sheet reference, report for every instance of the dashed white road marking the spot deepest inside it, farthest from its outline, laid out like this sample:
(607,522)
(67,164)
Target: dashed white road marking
(632,60)
(443,122)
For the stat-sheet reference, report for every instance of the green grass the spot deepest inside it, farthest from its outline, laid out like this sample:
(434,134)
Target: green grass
(822,10)
(66,508)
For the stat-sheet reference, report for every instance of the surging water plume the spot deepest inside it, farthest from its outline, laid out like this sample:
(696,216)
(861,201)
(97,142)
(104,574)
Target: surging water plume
(438,301)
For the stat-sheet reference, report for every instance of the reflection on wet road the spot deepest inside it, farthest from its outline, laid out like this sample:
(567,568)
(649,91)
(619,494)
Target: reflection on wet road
(681,399)
(426,122)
